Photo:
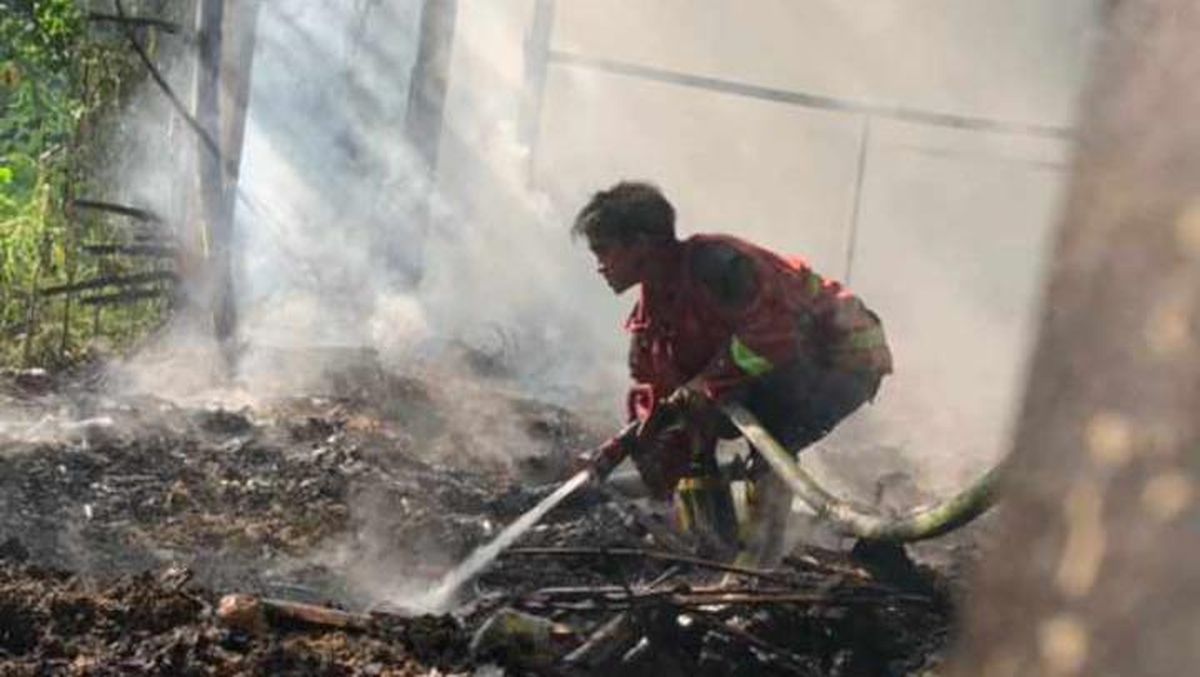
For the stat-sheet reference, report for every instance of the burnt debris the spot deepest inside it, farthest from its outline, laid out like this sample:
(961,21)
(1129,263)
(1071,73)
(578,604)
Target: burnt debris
(138,536)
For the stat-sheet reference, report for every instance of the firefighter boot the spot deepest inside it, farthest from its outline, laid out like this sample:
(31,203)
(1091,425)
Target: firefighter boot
(704,503)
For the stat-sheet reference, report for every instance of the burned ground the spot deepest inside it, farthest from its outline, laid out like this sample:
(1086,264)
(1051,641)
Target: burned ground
(124,520)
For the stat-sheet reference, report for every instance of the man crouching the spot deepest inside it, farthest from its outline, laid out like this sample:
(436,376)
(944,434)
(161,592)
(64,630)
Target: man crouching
(720,318)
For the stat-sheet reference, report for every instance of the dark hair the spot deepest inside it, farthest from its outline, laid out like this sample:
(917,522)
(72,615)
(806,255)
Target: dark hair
(628,210)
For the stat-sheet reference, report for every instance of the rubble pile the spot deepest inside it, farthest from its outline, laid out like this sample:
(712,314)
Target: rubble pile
(126,522)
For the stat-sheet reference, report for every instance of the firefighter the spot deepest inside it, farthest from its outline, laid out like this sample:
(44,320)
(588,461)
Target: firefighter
(721,318)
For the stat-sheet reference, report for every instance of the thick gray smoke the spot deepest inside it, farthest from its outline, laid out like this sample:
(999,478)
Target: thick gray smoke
(940,228)
(941,231)
(328,224)
(349,242)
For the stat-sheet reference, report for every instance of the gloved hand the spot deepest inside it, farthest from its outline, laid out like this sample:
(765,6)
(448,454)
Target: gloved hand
(685,406)
(601,460)
(687,399)
(689,405)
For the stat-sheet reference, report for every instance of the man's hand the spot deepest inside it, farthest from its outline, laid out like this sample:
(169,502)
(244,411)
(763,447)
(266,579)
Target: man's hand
(601,460)
(671,413)
(689,405)
(686,399)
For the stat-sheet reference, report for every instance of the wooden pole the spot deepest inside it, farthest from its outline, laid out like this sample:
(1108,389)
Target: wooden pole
(225,32)
(207,112)
(428,85)
(533,93)
(1094,571)
(430,79)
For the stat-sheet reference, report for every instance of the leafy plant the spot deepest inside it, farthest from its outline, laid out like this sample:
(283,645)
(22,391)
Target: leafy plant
(59,83)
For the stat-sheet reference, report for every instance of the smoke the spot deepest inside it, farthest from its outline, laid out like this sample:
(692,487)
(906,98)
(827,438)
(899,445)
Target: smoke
(349,242)
(941,233)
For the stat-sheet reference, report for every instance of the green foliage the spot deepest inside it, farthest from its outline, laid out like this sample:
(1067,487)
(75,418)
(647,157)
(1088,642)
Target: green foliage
(38,89)
(57,84)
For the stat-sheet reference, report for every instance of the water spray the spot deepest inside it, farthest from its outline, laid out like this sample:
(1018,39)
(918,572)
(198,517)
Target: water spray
(443,595)
(940,519)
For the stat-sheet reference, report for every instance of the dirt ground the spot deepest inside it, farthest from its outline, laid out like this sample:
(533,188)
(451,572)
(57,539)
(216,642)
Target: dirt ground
(123,520)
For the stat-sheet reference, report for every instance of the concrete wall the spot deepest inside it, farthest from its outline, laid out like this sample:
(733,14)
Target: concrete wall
(950,224)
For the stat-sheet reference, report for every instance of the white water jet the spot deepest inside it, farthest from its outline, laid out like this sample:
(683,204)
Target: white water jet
(441,597)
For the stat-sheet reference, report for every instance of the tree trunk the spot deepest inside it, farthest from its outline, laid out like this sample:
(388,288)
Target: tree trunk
(225,31)
(430,79)
(1095,569)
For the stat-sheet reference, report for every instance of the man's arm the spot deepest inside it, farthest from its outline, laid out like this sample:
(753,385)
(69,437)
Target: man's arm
(761,338)
(836,329)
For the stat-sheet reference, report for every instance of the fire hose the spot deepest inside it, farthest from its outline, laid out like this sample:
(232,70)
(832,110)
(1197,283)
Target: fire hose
(844,517)
(852,521)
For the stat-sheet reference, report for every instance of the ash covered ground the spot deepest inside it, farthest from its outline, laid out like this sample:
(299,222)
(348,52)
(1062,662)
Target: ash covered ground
(125,519)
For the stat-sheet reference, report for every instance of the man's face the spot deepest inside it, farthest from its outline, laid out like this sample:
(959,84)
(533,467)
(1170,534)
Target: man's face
(622,265)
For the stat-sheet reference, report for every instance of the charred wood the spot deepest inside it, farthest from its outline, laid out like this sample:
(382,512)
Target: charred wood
(674,558)
(113,281)
(119,298)
(776,655)
(148,250)
(604,646)
(161,24)
(205,138)
(124,210)
(255,615)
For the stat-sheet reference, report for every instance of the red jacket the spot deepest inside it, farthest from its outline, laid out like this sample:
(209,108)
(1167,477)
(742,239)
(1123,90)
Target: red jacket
(727,311)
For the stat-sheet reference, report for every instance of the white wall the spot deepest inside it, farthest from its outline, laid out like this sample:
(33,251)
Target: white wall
(952,224)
